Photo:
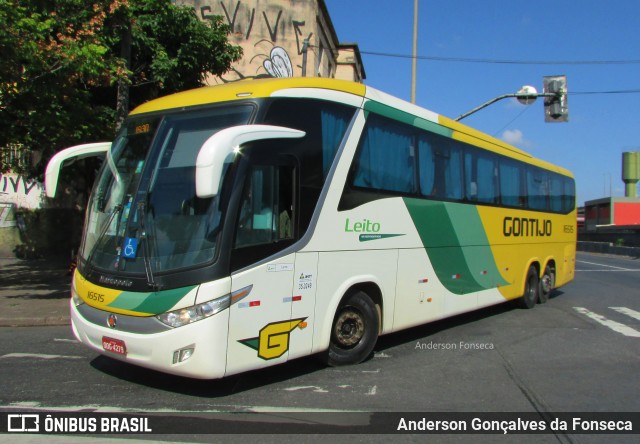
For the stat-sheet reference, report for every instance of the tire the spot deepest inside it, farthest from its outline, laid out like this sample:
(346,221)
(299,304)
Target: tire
(547,283)
(531,289)
(354,331)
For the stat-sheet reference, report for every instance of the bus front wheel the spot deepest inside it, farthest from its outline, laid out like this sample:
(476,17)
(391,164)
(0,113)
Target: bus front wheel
(354,331)
(531,289)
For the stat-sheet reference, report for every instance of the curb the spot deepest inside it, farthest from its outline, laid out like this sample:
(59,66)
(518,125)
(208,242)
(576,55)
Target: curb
(49,321)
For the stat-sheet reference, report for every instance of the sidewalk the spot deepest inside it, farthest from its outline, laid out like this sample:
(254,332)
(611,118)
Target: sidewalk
(34,292)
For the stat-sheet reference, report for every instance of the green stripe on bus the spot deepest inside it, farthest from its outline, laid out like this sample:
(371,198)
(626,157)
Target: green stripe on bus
(150,303)
(468,225)
(456,244)
(404,117)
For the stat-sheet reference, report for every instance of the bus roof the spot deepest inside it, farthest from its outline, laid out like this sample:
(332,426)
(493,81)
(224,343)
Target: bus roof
(246,89)
(386,104)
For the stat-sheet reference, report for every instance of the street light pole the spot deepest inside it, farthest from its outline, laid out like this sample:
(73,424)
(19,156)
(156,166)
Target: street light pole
(414,65)
(527,95)
(484,105)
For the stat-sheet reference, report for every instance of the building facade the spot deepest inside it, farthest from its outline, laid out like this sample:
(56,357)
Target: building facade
(612,212)
(282,38)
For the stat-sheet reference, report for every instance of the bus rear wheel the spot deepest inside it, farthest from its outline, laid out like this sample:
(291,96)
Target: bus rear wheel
(547,283)
(531,289)
(354,331)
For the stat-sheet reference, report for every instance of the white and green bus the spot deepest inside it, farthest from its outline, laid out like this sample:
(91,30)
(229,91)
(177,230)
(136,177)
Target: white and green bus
(240,226)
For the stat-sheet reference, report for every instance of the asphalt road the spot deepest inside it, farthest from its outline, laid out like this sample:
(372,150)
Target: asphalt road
(579,352)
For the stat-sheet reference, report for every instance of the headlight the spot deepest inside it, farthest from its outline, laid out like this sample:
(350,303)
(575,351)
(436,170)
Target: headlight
(184,316)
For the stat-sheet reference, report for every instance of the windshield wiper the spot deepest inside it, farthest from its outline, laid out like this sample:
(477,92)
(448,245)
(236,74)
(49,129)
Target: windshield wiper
(147,253)
(116,211)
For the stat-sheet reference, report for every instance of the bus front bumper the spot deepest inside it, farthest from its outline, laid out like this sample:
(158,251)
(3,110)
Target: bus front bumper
(196,350)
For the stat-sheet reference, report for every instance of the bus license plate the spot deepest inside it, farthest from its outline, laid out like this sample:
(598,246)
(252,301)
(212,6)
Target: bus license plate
(116,346)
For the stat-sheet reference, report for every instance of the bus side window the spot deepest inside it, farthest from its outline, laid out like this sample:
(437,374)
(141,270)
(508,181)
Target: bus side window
(481,177)
(448,170)
(386,158)
(555,193)
(427,166)
(266,210)
(569,195)
(537,188)
(512,183)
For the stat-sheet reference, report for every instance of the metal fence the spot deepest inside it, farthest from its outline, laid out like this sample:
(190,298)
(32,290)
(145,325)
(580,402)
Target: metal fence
(14,155)
(608,248)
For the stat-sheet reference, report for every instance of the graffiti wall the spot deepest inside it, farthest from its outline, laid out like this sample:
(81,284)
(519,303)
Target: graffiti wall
(19,191)
(272,34)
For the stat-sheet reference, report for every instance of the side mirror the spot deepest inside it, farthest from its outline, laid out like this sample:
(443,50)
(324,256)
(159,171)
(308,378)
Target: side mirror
(75,152)
(214,152)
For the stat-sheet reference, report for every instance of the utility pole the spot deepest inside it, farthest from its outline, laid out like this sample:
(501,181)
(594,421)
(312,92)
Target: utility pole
(414,65)
(305,50)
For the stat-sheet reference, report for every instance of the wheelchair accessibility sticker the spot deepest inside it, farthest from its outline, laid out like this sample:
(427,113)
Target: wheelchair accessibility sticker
(130,247)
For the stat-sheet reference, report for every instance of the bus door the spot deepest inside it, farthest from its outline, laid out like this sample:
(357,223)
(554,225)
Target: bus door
(260,323)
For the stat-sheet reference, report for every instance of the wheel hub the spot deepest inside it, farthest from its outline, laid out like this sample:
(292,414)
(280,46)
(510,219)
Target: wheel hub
(546,283)
(349,328)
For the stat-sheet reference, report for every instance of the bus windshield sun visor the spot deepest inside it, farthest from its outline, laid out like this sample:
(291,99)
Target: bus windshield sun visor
(75,152)
(222,147)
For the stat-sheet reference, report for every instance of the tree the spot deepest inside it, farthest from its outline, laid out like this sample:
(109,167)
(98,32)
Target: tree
(171,49)
(62,63)
(52,55)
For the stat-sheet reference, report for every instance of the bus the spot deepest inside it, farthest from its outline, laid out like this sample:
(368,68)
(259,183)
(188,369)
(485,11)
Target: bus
(240,226)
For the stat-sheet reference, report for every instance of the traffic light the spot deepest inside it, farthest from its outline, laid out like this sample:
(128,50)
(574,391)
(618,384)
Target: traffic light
(555,99)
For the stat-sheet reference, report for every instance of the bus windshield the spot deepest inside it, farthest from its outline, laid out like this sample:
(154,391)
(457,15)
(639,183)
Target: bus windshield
(144,215)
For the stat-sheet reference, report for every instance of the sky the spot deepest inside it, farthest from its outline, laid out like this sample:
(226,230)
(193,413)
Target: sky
(576,38)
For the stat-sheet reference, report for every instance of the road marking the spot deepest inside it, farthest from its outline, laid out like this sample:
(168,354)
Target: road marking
(38,356)
(608,271)
(377,355)
(608,267)
(96,408)
(590,270)
(604,265)
(613,325)
(73,341)
(627,311)
(316,389)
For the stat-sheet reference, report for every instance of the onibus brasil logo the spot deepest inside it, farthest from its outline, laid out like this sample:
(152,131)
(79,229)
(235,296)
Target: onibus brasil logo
(273,340)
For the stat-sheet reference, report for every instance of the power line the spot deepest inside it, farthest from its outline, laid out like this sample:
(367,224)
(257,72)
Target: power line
(523,62)
(620,91)
(526,108)
(504,61)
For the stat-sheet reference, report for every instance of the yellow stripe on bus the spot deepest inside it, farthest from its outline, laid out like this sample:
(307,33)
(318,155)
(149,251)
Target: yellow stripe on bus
(245,89)
(94,295)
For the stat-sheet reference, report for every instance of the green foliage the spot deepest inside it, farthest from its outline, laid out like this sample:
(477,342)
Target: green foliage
(172,50)
(63,60)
